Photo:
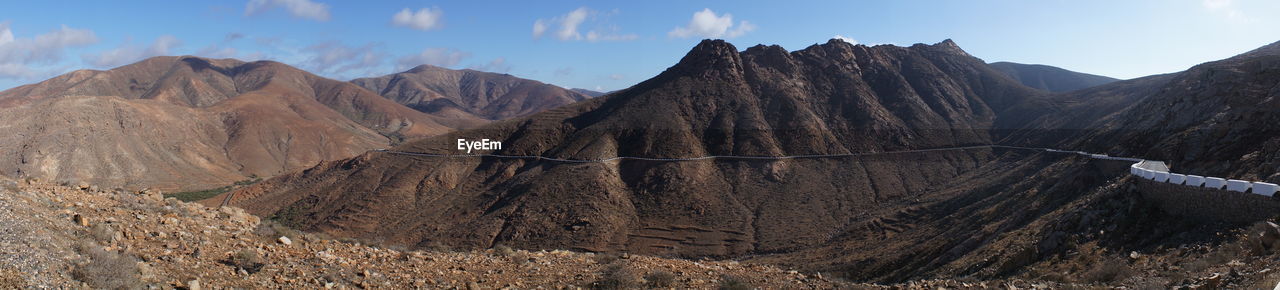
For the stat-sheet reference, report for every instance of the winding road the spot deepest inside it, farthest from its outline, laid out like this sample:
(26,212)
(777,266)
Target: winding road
(230,195)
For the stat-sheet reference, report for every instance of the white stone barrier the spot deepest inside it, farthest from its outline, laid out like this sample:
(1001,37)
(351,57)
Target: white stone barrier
(1162,176)
(1195,180)
(1263,188)
(1214,182)
(1238,185)
(1138,169)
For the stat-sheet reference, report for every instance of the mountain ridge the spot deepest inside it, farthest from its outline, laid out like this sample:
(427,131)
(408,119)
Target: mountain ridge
(484,95)
(181,122)
(715,101)
(1050,78)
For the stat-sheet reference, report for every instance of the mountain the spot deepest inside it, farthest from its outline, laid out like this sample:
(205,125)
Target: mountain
(765,101)
(484,95)
(1050,78)
(981,213)
(1207,120)
(194,123)
(589,93)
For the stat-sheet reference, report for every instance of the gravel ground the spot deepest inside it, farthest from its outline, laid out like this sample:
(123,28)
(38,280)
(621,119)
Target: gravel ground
(31,254)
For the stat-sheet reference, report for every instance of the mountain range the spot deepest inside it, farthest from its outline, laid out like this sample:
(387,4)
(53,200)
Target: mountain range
(484,95)
(183,123)
(878,217)
(765,101)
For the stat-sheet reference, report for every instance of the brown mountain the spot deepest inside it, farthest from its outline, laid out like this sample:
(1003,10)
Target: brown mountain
(485,95)
(765,101)
(1210,119)
(1050,78)
(977,213)
(194,123)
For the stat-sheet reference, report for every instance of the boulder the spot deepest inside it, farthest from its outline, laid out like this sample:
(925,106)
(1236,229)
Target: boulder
(1269,236)
(80,220)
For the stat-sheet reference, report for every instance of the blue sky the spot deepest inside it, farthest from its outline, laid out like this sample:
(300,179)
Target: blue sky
(608,45)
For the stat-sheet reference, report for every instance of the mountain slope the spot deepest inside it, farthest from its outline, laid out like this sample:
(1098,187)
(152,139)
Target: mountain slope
(1050,78)
(1207,120)
(485,95)
(825,99)
(976,213)
(193,123)
(589,93)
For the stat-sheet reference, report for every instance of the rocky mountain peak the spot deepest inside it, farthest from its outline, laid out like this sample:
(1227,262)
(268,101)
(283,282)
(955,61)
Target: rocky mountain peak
(711,54)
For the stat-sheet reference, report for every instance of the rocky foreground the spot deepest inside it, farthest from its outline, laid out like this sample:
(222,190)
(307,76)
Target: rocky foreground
(82,237)
(72,237)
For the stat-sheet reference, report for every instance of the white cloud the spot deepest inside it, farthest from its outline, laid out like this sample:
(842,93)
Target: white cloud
(539,27)
(498,65)
(214,51)
(6,35)
(569,24)
(615,77)
(707,24)
(437,56)
(335,59)
(568,27)
(594,36)
(129,52)
(424,19)
(306,9)
(850,40)
(17,71)
(43,48)
(28,58)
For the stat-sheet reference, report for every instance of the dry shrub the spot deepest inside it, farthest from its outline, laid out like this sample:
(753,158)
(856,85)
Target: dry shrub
(618,275)
(1109,271)
(102,233)
(660,279)
(247,260)
(503,250)
(606,258)
(272,230)
(732,282)
(107,270)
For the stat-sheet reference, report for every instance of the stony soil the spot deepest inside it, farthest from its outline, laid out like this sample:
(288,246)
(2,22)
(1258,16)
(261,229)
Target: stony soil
(175,243)
(81,237)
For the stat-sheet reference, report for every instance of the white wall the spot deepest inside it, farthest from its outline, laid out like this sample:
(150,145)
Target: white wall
(1238,185)
(1214,182)
(1263,188)
(1195,180)
(1162,176)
